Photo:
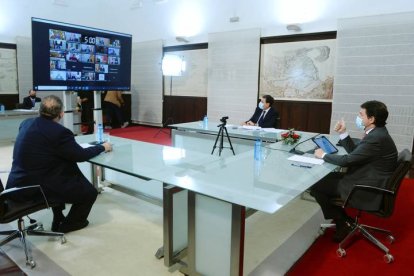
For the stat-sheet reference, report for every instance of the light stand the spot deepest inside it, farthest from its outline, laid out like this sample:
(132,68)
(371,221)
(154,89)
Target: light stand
(172,66)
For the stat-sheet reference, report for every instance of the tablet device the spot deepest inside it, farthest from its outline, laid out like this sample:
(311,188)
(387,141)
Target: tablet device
(323,143)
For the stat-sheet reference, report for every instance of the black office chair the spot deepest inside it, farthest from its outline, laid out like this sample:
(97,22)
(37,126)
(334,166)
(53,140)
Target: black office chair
(386,209)
(12,209)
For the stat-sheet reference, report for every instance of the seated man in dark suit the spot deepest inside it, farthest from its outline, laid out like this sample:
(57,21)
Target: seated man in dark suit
(371,163)
(29,101)
(265,115)
(45,153)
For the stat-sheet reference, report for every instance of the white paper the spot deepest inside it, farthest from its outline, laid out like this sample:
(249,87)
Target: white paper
(252,127)
(85,145)
(272,130)
(304,159)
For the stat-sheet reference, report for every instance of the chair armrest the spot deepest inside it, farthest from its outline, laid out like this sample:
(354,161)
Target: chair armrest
(365,187)
(9,192)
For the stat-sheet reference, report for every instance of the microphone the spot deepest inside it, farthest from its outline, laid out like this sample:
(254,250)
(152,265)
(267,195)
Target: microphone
(295,151)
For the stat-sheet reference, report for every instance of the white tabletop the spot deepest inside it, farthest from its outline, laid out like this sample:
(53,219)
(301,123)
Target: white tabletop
(266,185)
(233,130)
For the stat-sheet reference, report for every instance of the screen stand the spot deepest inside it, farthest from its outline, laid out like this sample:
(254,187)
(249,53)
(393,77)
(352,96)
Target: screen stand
(68,109)
(97,110)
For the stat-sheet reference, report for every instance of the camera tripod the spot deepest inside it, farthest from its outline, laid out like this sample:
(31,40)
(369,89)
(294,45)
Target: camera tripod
(220,135)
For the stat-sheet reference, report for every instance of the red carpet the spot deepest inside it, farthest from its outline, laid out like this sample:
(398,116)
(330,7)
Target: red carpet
(145,134)
(362,257)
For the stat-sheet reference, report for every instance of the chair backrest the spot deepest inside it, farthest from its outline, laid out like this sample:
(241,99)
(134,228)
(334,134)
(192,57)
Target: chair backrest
(394,183)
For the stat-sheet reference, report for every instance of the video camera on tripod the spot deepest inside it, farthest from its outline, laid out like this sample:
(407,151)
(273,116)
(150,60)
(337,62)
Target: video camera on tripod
(220,134)
(223,120)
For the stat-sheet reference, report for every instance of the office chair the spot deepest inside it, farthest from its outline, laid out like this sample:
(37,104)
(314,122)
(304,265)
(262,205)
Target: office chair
(386,209)
(12,209)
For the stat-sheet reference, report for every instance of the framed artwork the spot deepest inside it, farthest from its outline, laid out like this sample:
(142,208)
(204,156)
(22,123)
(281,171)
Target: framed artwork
(8,70)
(298,70)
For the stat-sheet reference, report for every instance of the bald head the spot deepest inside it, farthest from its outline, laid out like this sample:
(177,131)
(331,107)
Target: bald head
(51,107)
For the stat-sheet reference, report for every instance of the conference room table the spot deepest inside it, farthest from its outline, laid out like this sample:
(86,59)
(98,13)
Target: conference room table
(10,121)
(199,137)
(217,190)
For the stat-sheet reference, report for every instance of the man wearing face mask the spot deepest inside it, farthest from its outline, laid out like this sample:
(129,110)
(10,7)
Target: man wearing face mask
(264,116)
(30,101)
(45,153)
(370,162)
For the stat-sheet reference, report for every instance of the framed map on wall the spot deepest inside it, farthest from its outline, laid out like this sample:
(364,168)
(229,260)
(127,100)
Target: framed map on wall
(8,71)
(299,70)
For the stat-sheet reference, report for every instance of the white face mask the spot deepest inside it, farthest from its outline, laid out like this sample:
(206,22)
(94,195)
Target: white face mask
(261,105)
(359,123)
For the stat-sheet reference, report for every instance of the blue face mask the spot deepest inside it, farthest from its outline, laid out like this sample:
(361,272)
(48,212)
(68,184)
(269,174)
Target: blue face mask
(359,123)
(261,105)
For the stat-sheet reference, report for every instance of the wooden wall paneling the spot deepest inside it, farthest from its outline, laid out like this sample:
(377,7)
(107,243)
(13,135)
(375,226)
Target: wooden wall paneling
(305,116)
(9,100)
(319,117)
(183,109)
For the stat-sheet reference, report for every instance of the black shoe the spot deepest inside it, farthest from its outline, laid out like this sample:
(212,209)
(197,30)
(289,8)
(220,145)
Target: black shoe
(342,230)
(56,224)
(69,227)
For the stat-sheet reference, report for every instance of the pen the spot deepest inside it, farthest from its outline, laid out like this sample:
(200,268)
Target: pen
(301,166)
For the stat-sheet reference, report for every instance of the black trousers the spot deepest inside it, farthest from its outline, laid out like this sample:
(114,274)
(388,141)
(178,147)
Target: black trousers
(326,190)
(80,209)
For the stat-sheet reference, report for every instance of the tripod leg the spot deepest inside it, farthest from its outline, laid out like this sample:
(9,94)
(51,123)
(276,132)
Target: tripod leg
(221,139)
(215,143)
(228,138)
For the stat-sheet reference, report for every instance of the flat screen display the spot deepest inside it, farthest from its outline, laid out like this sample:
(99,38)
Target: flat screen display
(72,57)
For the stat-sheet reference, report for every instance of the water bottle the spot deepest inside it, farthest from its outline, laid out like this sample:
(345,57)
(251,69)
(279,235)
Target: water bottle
(2,108)
(258,150)
(205,122)
(99,133)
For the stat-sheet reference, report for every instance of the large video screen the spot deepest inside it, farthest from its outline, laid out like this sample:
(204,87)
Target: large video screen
(71,57)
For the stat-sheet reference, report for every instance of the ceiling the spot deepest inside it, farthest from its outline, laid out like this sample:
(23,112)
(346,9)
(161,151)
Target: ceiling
(150,20)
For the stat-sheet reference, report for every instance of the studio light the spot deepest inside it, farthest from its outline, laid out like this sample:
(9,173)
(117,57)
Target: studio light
(173,65)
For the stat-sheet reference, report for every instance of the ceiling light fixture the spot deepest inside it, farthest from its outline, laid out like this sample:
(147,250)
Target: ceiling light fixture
(234,19)
(293,27)
(182,39)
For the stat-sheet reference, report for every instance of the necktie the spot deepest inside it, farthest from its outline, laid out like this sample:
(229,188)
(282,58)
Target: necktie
(260,121)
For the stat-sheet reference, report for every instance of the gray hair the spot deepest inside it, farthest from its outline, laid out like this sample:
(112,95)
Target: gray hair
(51,107)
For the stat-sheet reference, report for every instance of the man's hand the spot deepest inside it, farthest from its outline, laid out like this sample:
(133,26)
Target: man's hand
(340,126)
(319,153)
(250,123)
(107,146)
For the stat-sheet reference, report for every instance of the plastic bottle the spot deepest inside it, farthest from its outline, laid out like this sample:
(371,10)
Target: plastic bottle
(258,150)
(205,122)
(99,133)
(2,108)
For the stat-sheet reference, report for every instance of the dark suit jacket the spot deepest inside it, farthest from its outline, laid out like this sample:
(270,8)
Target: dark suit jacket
(370,163)
(45,154)
(269,119)
(27,102)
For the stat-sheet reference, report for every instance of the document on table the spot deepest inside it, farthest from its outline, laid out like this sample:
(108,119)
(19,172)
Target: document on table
(308,160)
(85,145)
(272,130)
(252,127)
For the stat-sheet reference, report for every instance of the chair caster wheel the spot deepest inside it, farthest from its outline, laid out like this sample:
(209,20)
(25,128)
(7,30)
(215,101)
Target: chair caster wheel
(388,258)
(340,252)
(390,239)
(31,263)
(63,240)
